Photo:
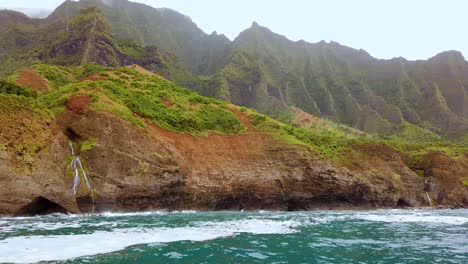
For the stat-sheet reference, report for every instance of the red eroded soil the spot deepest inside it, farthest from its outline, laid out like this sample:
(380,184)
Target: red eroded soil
(79,104)
(30,78)
(167,103)
(141,70)
(303,118)
(221,152)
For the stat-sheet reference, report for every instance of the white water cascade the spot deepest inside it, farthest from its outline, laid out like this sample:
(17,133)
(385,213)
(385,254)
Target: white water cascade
(78,167)
(429,199)
(426,182)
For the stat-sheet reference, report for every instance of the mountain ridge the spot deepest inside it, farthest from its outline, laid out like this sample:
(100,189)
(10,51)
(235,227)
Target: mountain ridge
(269,72)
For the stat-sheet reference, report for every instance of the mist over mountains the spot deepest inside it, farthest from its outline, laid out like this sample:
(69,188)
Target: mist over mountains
(266,71)
(32,12)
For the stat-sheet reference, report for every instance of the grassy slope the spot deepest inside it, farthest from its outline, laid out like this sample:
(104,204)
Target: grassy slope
(25,127)
(335,142)
(134,96)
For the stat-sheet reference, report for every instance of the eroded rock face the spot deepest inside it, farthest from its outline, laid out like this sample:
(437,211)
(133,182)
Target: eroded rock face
(135,169)
(444,174)
(36,192)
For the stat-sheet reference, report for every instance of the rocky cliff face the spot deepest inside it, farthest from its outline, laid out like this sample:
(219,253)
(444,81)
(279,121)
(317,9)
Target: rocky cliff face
(165,28)
(135,169)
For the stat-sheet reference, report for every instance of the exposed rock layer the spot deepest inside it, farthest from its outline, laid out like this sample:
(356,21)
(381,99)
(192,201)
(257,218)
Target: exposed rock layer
(134,169)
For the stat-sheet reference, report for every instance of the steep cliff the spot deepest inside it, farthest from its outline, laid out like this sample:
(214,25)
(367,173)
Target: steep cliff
(140,154)
(167,29)
(81,39)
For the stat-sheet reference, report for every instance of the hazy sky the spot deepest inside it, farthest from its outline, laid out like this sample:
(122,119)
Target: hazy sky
(414,29)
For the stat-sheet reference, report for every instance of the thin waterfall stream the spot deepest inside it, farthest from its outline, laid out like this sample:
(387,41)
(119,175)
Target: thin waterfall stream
(429,199)
(77,167)
(426,183)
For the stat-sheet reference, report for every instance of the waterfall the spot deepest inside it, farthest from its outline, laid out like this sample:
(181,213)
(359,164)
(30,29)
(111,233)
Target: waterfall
(76,179)
(429,199)
(78,167)
(71,148)
(426,189)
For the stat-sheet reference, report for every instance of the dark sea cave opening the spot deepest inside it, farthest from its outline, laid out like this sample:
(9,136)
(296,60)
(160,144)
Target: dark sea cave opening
(40,206)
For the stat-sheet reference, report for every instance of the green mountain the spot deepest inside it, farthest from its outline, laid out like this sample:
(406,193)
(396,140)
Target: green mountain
(266,71)
(347,85)
(85,38)
(167,29)
(259,69)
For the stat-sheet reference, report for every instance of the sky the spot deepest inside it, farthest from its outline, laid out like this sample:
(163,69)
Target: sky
(414,29)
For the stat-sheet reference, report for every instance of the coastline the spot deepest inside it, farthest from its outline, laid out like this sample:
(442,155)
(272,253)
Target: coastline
(198,210)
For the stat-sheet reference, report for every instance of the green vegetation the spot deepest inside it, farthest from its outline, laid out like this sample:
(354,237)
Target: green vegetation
(11,102)
(121,111)
(88,144)
(169,105)
(333,141)
(396,99)
(329,144)
(7,87)
(135,96)
(22,133)
(417,150)
(410,133)
(56,75)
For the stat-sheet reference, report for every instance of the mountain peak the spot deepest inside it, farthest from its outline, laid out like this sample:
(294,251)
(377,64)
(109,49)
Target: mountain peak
(256,26)
(89,38)
(449,55)
(13,15)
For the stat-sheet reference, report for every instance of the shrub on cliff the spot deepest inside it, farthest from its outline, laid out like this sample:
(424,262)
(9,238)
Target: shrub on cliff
(12,88)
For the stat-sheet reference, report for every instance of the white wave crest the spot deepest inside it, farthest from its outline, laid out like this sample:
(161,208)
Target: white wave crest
(44,248)
(409,218)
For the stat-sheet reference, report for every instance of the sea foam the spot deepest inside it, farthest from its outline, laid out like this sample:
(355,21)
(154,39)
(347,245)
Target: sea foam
(414,218)
(24,249)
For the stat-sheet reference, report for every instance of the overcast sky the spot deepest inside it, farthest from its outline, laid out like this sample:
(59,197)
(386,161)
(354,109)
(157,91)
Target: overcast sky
(414,29)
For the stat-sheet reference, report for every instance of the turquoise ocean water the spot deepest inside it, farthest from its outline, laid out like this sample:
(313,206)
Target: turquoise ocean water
(382,236)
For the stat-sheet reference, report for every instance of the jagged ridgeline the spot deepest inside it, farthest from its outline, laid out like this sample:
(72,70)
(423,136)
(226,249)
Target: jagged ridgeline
(411,100)
(82,39)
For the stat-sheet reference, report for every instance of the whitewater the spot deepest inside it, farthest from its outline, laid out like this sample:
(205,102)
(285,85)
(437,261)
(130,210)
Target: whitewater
(384,236)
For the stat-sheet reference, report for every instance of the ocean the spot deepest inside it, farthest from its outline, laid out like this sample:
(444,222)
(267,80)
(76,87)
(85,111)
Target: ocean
(380,236)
